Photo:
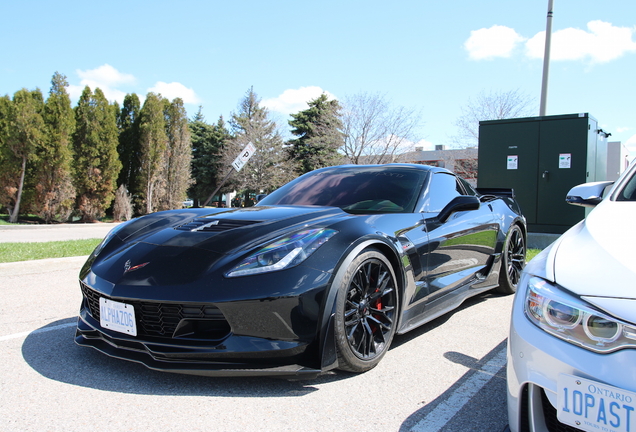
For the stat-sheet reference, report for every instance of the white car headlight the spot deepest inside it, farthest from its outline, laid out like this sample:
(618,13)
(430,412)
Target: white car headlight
(283,253)
(575,321)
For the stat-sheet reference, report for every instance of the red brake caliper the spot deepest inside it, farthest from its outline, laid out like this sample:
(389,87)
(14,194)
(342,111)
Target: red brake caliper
(378,306)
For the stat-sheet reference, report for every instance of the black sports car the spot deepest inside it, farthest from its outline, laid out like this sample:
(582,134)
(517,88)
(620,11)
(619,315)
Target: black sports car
(321,274)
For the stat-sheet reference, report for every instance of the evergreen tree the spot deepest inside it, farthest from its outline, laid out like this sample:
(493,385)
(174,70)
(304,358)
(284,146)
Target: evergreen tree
(153,143)
(178,155)
(24,132)
(128,148)
(8,161)
(54,191)
(318,129)
(207,145)
(265,170)
(96,164)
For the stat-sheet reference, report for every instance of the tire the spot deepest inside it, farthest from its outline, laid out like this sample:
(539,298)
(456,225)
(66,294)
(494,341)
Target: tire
(366,312)
(513,261)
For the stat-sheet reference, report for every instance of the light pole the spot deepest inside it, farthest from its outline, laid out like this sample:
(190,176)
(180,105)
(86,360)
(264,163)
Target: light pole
(546,60)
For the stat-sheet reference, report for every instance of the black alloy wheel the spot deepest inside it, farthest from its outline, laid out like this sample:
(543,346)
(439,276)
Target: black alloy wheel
(366,316)
(513,261)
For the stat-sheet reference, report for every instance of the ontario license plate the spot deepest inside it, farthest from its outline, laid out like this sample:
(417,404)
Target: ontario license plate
(593,406)
(116,316)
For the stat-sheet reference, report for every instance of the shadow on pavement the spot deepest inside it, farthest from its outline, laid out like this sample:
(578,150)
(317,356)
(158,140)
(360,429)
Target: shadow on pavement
(485,411)
(52,352)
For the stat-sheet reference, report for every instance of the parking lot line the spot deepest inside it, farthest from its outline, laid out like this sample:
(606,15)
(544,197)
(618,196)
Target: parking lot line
(41,330)
(437,419)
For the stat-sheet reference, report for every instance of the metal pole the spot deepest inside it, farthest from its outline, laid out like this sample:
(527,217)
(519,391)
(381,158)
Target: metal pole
(546,60)
(219,187)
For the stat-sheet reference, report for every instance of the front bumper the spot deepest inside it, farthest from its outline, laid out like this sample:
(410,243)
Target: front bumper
(290,335)
(535,360)
(189,360)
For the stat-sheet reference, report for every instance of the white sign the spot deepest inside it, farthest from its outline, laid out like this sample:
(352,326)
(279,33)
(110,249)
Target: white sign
(513,162)
(117,316)
(244,156)
(565,160)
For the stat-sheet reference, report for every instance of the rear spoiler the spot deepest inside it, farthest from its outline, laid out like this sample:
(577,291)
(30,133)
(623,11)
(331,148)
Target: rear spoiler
(501,192)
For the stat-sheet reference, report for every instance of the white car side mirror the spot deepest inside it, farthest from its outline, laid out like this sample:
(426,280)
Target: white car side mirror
(587,194)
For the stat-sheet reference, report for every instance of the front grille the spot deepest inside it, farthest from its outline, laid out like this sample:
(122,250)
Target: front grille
(163,319)
(214,225)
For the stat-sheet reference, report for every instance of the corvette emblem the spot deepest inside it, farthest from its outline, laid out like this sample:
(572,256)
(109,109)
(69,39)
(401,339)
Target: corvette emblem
(129,268)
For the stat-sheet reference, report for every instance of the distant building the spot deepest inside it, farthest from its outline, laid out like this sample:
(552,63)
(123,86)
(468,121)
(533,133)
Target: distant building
(461,161)
(617,159)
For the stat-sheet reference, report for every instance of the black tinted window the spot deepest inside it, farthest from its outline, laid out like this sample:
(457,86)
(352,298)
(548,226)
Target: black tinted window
(467,187)
(356,190)
(444,187)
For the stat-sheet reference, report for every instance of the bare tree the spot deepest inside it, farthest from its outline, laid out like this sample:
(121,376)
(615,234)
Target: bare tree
(123,207)
(376,131)
(490,106)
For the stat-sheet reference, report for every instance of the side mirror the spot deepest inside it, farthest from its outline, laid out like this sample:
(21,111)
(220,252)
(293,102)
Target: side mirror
(587,194)
(459,203)
(259,197)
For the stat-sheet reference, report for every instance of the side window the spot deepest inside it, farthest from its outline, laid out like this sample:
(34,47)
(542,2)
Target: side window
(629,191)
(444,187)
(467,187)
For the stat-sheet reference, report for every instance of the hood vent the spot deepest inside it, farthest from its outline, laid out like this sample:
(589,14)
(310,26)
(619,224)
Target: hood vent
(214,225)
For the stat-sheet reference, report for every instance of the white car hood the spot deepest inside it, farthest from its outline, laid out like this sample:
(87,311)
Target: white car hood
(597,260)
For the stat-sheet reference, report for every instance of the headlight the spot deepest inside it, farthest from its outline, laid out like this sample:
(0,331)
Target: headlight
(574,321)
(283,253)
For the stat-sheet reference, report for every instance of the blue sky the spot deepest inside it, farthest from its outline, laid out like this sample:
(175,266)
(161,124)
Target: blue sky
(432,56)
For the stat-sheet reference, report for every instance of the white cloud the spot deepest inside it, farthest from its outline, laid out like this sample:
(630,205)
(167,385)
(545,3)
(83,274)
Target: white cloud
(106,78)
(110,81)
(488,43)
(175,90)
(602,43)
(292,101)
(106,75)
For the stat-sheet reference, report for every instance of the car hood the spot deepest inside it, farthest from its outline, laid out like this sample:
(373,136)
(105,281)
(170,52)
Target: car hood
(177,247)
(226,231)
(596,258)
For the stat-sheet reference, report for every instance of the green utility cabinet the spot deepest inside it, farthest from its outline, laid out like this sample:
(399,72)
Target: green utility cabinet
(542,158)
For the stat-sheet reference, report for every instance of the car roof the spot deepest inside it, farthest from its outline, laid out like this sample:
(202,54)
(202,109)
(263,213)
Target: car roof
(420,167)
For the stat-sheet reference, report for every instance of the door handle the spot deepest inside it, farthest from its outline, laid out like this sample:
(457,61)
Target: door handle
(545,174)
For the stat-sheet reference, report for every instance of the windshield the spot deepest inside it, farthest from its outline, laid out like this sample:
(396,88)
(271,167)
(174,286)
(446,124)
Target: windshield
(355,189)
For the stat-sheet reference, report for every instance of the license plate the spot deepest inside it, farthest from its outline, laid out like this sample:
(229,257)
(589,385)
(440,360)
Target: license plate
(116,316)
(593,406)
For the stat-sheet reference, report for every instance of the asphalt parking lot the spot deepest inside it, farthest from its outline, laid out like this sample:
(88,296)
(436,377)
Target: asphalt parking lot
(448,375)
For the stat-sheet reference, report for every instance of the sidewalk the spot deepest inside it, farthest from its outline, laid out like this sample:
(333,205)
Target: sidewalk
(44,233)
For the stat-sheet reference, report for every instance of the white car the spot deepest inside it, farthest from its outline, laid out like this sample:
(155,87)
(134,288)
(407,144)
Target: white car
(572,345)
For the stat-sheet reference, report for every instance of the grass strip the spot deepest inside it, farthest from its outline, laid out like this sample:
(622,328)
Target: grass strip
(13,252)
(531,253)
